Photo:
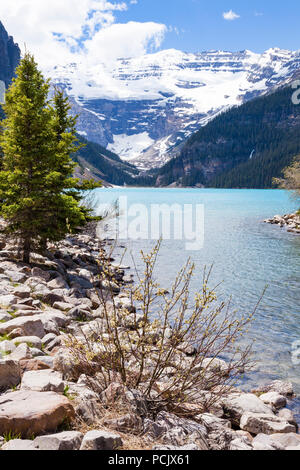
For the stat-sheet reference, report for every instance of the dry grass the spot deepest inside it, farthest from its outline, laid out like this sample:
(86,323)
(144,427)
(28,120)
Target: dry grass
(130,441)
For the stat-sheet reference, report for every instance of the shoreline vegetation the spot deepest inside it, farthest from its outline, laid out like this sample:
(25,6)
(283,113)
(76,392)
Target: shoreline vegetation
(60,389)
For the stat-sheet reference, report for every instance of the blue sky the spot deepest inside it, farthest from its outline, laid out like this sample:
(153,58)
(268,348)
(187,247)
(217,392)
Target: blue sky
(98,31)
(201,26)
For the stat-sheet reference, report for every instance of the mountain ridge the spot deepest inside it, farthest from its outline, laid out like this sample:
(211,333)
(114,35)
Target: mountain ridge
(9,56)
(244,147)
(145,108)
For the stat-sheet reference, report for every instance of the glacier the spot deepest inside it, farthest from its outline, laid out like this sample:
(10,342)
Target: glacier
(144,108)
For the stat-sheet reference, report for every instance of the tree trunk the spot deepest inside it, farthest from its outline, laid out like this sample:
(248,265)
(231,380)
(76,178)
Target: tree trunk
(43,247)
(26,251)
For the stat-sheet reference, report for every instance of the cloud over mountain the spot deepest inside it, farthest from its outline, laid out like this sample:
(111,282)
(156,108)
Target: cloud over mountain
(62,32)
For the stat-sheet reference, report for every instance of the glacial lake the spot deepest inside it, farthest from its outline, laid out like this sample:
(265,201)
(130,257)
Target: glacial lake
(247,255)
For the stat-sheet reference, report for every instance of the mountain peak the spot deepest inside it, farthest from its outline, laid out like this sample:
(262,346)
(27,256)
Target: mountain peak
(9,56)
(144,108)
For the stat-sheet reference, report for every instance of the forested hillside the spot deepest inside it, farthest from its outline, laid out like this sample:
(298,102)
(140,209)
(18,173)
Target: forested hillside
(104,164)
(244,147)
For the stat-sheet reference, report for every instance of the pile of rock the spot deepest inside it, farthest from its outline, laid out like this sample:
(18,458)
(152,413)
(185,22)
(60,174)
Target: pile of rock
(290,221)
(39,303)
(39,398)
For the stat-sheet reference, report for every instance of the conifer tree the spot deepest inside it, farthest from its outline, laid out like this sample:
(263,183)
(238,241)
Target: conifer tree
(39,198)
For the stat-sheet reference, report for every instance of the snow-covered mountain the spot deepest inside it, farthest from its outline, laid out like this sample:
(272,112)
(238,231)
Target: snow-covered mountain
(143,108)
(9,56)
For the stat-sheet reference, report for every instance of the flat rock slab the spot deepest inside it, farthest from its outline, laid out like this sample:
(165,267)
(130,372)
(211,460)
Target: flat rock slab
(264,441)
(43,381)
(256,423)
(32,341)
(287,440)
(30,326)
(8,300)
(274,399)
(283,388)
(68,440)
(56,317)
(19,444)
(64,306)
(101,440)
(30,413)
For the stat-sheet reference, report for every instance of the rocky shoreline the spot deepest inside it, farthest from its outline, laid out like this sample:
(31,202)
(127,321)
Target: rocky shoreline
(289,221)
(42,407)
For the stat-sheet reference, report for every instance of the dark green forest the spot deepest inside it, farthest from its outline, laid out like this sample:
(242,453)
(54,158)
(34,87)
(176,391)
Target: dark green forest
(244,147)
(105,164)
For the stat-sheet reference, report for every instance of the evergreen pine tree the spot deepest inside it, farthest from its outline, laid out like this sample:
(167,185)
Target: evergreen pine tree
(39,198)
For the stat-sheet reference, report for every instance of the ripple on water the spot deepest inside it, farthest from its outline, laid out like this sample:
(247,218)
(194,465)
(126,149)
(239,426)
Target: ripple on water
(247,255)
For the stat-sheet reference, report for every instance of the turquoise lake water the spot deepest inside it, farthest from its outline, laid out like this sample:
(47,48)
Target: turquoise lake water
(247,255)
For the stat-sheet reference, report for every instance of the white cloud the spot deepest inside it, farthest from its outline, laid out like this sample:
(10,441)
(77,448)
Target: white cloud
(230,15)
(124,40)
(59,32)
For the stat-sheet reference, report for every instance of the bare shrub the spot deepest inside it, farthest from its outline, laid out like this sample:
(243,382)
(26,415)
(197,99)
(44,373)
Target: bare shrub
(169,346)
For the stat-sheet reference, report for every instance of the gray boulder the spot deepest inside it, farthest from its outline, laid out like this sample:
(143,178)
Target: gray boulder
(237,404)
(8,300)
(63,306)
(40,273)
(58,283)
(101,440)
(288,416)
(31,341)
(68,440)
(23,292)
(43,381)
(257,423)
(6,347)
(30,326)
(10,374)
(279,386)
(287,440)
(20,353)
(240,444)
(266,442)
(274,399)
(18,444)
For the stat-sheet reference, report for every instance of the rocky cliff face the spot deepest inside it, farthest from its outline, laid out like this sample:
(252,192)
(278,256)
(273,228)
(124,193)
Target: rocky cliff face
(9,56)
(144,108)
